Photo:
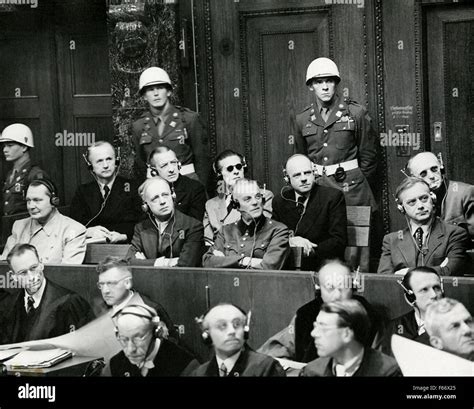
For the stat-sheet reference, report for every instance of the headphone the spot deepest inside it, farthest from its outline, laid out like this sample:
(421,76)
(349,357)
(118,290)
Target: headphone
(148,312)
(286,177)
(355,282)
(89,164)
(410,296)
(402,210)
(48,184)
(206,337)
(144,206)
(218,171)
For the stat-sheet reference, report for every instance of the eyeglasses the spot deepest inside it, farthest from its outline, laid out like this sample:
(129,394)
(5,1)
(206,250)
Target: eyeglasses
(102,284)
(35,269)
(230,168)
(136,341)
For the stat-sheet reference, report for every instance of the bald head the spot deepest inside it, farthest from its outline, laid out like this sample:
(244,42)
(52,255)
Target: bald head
(335,280)
(426,166)
(299,170)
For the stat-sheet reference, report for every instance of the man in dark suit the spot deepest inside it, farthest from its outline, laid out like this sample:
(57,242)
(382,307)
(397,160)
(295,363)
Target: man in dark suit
(168,237)
(190,194)
(145,351)
(340,333)
(427,241)
(422,287)
(109,207)
(226,327)
(42,309)
(315,214)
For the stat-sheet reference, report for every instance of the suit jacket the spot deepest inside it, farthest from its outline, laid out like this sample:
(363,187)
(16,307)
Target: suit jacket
(268,241)
(190,197)
(170,360)
(60,311)
(458,203)
(445,241)
(121,212)
(405,326)
(324,222)
(184,133)
(374,363)
(249,363)
(182,238)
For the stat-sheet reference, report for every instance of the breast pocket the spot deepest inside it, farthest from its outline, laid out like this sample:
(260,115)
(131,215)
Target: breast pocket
(312,138)
(231,248)
(260,249)
(344,134)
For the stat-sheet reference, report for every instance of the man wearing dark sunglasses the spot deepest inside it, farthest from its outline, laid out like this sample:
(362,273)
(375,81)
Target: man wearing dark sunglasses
(37,308)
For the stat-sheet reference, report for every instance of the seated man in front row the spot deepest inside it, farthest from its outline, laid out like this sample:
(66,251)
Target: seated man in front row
(254,241)
(422,287)
(168,237)
(116,287)
(336,283)
(340,333)
(190,194)
(57,238)
(145,351)
(451,328)
(109,206)
(226,327)
(40,308)
(427,241)
(316,215)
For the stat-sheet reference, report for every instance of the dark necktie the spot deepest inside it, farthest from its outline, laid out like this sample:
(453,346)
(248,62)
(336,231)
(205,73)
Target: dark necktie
(13,176)
(106,192)
(222,370)
(300,204)
(325,114)
(419,238)
(30,305)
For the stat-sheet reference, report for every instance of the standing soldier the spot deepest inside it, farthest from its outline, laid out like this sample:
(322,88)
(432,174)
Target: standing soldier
(164,124)
(17,141)
(337,135)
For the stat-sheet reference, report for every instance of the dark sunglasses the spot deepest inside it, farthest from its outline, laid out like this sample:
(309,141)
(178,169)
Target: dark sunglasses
(230,168)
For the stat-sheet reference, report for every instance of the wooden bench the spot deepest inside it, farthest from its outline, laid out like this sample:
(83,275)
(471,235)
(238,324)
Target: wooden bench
(358,238)
(95,253)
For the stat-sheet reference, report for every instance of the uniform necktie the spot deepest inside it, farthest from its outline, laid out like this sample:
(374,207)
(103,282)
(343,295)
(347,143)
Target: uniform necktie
(30,306)
(419,238)
(13,176)
(325,113)
(222,370)
(300,204)
(106,192)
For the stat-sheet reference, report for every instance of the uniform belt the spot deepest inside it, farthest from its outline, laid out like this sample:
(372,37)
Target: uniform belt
(331,169)
(187,169)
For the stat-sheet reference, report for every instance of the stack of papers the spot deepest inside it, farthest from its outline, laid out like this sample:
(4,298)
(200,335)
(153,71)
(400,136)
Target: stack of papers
(38,359)
(8,353)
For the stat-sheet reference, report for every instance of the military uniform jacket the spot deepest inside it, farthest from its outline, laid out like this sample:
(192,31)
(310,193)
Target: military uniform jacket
(14,191)
(324,222)
(170,360)
(184,133)
(347,135)
(190,197)
(249,363)
(120,213)
(445,241)
(182,238)
(374,363)
(267,240)
(60,311)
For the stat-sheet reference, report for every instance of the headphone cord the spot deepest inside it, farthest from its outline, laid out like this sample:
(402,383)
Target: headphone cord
(297,203)
(155,225)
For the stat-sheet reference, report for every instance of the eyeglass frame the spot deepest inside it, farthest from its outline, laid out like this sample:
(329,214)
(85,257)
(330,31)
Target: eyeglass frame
(110,283)
(238,166)
(136,341)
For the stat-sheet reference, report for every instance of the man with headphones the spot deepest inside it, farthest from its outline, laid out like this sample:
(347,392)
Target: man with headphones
(145,352)
(167,237)
(190,194)
(109,206)
(226,327)
(316,215)
(422,286)
(427,240)
(58,238)
(229,167)
(455,200)
(254,241)
(335,282)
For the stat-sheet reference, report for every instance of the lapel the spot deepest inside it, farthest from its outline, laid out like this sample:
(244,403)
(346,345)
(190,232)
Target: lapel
(406,246)
(13,320)
(435,240)
(43,321)
(172,122)
(312,212)
(150,239)
(240,364)
(21,175)
(315,116)
(173,231)
(212,369)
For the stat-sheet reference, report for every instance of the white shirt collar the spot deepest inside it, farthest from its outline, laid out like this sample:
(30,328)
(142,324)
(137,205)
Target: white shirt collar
(419,322)
(110,185)
(162,225)
(118,307)
(148,363)
(350,367)
(228,362)
(36,296)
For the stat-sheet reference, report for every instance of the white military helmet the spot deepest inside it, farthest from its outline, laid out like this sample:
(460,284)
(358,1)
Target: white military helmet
(322,68)
(18,133)
(153,76)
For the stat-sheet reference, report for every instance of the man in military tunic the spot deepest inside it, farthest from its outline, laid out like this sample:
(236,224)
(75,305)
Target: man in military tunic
(337,135)
(17,140)
(164,124)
